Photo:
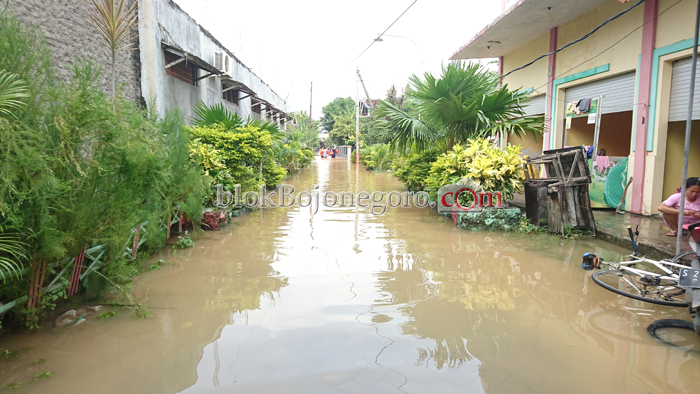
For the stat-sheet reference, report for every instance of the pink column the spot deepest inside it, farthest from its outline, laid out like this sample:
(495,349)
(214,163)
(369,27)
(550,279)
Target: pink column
(651,8)
(548,126)
(500,67)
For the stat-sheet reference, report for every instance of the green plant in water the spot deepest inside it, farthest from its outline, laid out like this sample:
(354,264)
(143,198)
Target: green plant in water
(158,265)
(10,354)
(106,315)
(528,228)
(37,361)
(140,311)
(13,385)
(185,242)
(573,232)
(43,375)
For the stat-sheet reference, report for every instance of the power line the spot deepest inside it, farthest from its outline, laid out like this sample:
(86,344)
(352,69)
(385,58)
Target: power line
(576,41)
(387,29)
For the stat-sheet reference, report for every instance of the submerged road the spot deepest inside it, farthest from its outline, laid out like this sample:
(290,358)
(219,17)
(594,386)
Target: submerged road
(344,301)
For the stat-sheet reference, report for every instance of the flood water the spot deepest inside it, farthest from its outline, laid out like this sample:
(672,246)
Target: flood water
(343,301)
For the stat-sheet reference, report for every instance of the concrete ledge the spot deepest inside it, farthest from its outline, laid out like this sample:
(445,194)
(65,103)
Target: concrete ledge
(644,248)
(506,219)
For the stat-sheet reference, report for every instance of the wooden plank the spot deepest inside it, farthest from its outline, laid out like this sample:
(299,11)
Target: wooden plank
(554,224)
(204,76)
(568,207)
(536,202)
(573,166)
(6,307)
(182,59)
(56,278)
(587,210)
(92,266)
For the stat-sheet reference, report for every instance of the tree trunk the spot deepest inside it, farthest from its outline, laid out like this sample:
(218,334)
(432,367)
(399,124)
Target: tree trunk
(114,79)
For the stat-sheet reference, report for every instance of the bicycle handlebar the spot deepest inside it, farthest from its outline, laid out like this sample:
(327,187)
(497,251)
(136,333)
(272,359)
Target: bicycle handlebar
(631,234)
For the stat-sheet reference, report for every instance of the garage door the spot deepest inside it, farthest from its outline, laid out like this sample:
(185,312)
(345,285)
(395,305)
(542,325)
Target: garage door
(535,106)
(618,92)
(680,91)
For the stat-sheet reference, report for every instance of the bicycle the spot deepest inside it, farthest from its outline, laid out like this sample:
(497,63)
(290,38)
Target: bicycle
(627,279)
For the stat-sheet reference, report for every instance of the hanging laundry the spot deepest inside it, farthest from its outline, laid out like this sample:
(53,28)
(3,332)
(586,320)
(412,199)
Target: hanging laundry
(584,105)
(602,163)
(589,151)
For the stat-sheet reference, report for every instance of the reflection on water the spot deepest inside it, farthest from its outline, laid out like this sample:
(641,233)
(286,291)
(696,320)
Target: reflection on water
(286,301)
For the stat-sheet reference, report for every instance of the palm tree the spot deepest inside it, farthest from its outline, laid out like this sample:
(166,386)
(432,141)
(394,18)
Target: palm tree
(11,90)
(209,115)
(217,113)
(465,102)
(12,252)
(113,23)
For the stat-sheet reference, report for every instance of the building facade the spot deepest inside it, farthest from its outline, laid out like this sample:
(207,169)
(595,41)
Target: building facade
(175,62)
(638,61)
(183,64)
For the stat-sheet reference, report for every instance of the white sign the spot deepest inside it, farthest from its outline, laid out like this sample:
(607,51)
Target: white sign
(592,118)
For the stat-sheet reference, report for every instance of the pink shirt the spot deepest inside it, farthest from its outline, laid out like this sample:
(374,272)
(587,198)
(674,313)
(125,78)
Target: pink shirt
(675,202)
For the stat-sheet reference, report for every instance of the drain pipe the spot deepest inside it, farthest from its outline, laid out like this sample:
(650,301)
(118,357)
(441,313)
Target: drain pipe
(688,124)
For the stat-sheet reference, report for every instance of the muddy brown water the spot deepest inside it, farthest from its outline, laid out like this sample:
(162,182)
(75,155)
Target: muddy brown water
(343,301)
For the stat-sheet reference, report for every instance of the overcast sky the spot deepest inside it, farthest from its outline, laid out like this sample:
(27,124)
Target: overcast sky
(290,43)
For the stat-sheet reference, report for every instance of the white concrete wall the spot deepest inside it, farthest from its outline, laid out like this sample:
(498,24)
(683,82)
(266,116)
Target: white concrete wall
(161,16)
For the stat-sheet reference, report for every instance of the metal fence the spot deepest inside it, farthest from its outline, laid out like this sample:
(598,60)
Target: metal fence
(344,151)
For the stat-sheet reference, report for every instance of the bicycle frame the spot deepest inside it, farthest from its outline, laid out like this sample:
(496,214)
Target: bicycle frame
(670,276)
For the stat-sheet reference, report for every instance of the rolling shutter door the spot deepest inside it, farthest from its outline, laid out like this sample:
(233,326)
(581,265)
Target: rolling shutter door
(535,106)
(680,91)
(618,92)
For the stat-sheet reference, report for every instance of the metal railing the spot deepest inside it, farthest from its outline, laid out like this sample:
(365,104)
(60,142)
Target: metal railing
(344,151)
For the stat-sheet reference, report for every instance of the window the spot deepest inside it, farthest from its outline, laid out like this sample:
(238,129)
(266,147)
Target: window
(231,95)
(183,70)
(256,107)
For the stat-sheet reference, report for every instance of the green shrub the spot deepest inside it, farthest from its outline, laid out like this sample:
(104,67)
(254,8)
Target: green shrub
(413,170)
(246,151)
(492,168)
(377,157)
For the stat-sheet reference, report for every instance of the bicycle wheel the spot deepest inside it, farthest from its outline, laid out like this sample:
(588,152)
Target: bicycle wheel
(633,286)
(676,258)
(619,325)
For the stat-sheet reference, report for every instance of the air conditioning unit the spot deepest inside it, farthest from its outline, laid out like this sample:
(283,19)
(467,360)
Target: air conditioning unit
(222,62)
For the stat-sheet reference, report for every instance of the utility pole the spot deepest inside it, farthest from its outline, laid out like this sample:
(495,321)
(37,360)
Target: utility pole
(369,101)
(357,121)
(311,97)
(688,124)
